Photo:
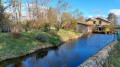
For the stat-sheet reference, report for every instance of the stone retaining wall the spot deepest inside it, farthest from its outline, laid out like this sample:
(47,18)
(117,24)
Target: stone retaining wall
(99,59)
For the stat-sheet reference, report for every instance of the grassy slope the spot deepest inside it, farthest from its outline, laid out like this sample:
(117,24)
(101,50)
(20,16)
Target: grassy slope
(26,42)
(10,47)
(115,59)
(66,35)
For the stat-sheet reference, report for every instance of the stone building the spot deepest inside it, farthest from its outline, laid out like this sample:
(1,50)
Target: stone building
(99,22)
(84,28)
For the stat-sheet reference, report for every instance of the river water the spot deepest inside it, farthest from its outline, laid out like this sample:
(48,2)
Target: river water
(70,54)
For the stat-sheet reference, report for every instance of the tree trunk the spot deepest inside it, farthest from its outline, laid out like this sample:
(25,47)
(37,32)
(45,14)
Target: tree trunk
(20,2)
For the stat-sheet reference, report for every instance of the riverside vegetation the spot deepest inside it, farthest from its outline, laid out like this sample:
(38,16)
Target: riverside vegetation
(42,26)
(115,58)
(27,41)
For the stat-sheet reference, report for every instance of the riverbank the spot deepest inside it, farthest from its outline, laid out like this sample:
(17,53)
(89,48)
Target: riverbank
(114,60)
(27,43)
(101,57)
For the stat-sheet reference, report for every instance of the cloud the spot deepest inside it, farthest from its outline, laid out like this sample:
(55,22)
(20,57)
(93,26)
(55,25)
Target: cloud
(96,11)
(90,16)
(102,16)
(115,11)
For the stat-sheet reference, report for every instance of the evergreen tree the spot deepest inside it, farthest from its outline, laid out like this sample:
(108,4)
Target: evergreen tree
(113,18)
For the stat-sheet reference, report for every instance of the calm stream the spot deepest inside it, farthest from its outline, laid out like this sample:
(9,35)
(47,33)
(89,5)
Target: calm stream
(70,54)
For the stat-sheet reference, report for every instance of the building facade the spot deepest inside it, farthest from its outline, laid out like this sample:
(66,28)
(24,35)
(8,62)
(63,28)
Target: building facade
(99,22)
(84,28)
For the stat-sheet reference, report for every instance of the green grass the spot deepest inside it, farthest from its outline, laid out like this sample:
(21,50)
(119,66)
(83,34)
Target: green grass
(27,41)
(66,35)
(10,47)
(115,59)
(116,27)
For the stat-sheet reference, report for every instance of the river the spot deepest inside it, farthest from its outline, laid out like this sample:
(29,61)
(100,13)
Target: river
(70,54)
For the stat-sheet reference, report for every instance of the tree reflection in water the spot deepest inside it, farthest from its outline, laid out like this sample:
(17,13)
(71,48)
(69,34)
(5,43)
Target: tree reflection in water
(70,54)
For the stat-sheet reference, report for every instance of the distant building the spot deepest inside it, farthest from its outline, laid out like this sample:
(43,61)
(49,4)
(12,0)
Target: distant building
(99,22)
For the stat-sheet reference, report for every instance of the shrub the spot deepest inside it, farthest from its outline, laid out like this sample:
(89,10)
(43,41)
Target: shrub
(42,37)
(46,30)
(15,34)
(53,33)
(16,30)
(55,41)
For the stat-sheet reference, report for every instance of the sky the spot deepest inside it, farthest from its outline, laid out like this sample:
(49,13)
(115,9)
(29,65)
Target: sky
(97,8)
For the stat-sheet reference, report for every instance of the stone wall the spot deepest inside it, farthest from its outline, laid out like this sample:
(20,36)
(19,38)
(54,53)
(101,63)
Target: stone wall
(97,22)
(83,28)
(99,59)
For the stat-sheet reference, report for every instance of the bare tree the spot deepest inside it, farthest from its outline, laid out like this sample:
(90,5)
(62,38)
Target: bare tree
(51,16)
(20,6)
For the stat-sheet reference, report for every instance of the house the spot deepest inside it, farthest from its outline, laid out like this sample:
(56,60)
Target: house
(99,22)
(94,25)
(84,28)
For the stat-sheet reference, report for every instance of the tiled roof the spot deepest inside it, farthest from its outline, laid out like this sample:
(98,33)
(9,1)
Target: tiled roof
(103,20)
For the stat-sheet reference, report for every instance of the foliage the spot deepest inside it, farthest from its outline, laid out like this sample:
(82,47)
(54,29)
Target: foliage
(15,34)
(42,37)
(16,31)
(51,17)
(1,16)
(55,40)
(54,37)
(88,19)
(67,22)
(108,28)
(116,27)
(71,25)
(52,33)
(115,59)
(113,18)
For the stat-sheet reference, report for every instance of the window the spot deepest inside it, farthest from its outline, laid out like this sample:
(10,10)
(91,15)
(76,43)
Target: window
(94,22)
(100,22)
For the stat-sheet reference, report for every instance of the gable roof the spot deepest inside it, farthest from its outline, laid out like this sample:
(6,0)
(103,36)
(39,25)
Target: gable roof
(103,20)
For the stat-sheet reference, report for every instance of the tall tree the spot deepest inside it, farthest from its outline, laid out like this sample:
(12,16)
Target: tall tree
(16,9)
(113,18)
(79,16)
(1,14)
(0,2)
(51,16)
(20,9)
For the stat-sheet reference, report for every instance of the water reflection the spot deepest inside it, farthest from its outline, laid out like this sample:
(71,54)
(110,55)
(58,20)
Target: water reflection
(70,54)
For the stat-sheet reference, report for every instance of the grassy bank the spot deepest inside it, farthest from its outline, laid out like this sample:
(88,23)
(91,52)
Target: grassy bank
(27,42)
(66,35)
(115,59)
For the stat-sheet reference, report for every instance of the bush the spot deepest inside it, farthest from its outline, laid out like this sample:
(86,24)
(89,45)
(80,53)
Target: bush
(15,34)
(53,33)
(42,37)
(55,41)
